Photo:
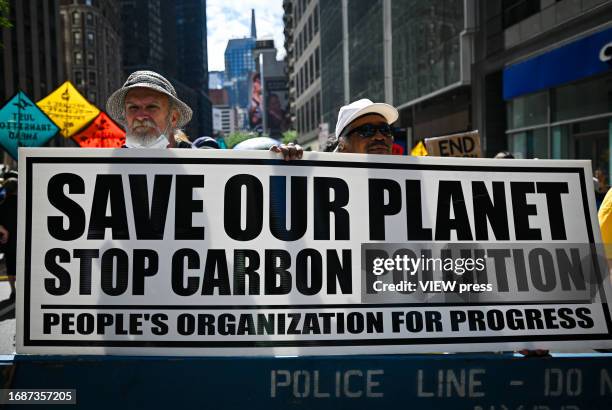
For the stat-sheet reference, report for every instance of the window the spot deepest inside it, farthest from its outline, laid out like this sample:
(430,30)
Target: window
(312,114)
(76,38)
(317,63)
(302,82)
(90,39)
(307,116)
(311,68)
(92,78)
(528,110)
(78,78)
(89,19)
(91,60)
(300,129)
(91,96)
(318,108)
(315,18)
(78,58)
(310,28)
(76,17)
(529,144)
(515,11)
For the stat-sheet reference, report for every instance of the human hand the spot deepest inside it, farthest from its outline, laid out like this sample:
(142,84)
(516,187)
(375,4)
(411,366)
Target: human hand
(534,353)
(289,152)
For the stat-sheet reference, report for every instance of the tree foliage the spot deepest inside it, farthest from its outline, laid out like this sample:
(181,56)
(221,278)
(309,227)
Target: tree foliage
(289,136)
(237,137)
(4,14)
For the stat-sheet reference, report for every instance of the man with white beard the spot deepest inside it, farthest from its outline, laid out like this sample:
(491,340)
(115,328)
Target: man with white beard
(149,109)
(152,114)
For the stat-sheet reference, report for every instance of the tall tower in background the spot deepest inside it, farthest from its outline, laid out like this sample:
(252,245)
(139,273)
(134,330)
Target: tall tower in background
(253,28)
(92,55)
(192,57)
(170,38)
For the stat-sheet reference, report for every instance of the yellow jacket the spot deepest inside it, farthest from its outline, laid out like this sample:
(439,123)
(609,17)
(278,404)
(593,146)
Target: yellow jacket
(605,220)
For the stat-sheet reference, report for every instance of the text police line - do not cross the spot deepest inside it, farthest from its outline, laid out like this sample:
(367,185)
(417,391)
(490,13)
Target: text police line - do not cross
(233,253)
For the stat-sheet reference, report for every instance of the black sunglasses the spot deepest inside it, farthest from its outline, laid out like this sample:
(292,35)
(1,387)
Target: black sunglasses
(369,130)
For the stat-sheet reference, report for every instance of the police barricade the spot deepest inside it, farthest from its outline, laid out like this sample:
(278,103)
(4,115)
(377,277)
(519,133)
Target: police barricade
(191,253)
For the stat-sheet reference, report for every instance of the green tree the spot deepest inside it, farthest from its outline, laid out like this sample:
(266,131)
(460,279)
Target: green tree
(4,16)
(289,136)
(237,137)
(4,13)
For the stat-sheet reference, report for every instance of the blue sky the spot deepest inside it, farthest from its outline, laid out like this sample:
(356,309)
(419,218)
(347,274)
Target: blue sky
(232,19)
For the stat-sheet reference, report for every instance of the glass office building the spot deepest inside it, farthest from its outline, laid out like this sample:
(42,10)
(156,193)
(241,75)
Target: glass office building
(401,53)
(425,47)
(239,62)
(365,28)
(332,61)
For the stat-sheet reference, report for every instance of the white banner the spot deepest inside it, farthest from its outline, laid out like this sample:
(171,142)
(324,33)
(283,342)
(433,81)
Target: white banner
(195,252)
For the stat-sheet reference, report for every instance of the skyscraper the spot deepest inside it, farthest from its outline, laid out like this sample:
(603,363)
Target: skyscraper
(192,57)
(92,51)
(303,45)
(239,63)
(170,38)
(30,56)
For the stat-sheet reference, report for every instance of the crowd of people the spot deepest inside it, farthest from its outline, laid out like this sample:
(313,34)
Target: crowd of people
(152,114)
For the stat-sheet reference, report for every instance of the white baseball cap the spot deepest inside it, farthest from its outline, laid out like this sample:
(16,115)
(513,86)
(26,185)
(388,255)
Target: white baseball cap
(356,109)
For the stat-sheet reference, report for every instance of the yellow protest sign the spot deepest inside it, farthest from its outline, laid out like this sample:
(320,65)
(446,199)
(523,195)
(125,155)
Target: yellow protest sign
(419,150)
(68,109)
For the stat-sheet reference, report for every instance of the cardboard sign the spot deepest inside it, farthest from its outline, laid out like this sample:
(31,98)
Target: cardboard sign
(190,252)
(466,144)
(23,124)
(68,109)
(101,133)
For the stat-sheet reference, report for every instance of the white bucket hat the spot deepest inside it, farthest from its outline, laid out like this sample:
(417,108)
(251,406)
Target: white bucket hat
(356,109)
(115,106)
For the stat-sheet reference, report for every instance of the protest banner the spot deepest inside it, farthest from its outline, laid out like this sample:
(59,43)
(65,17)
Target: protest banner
(101,133)
(68,109)
(23,124)
(466,144)
(190,252)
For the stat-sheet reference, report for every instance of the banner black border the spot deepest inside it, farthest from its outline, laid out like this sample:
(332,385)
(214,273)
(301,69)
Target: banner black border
(27,341)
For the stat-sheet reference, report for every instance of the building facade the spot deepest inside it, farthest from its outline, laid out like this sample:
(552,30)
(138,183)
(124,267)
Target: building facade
(303,61)
(275,94)
(224,120)
(239,65)
(192,58)
(92,51)
(533,76)
(543,79)
(412,54)
(31,50)
(31,53)
(151,33)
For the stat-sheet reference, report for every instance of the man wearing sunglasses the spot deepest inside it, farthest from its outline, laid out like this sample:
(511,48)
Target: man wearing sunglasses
(364,127)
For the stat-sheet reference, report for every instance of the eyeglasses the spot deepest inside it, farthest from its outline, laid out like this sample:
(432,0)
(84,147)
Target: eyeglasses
(369,130)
